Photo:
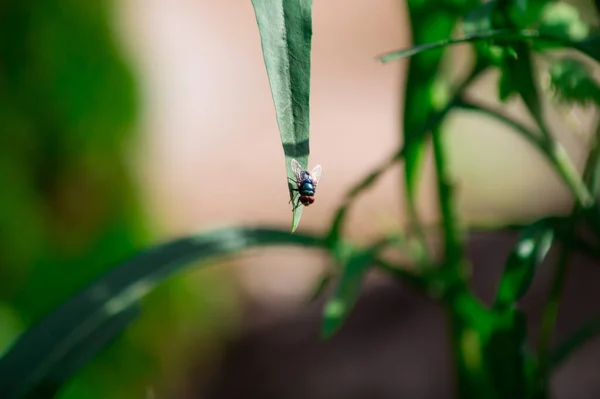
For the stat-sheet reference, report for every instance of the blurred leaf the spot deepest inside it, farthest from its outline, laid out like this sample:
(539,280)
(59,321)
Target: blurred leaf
(517,76)
(51,347)
(524,13)
(285,28)
(522,262)
(560,19)
(84,351)
(10,326)
(571,81)
(347,291)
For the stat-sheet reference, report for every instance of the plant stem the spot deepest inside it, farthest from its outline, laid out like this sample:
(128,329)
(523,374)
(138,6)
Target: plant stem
(453,241)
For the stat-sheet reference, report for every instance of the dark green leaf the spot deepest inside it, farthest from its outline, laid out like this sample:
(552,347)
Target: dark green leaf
(52,346)
(517,76)
(571,81)
(530,251)
(524,13)
(84,352)
(285,28)
(347,291)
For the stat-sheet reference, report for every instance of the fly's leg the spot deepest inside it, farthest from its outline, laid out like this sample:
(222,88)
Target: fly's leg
(296,205)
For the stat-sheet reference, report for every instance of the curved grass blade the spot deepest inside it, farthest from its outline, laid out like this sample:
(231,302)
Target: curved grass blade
(285,28)
(589,46)
(346,292)
(530,251)
(83,352)
(52,347)
(347,289)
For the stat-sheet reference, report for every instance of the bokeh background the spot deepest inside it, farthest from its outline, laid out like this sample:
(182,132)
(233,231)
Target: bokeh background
(126,123)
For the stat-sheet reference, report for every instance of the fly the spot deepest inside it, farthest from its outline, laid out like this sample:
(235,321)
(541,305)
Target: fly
(306,183)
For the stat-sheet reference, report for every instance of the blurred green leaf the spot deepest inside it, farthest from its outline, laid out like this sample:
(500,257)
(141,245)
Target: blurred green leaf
(571,81)
(561,19)
(51,347)
(517,76)
(346,292)
(84,351)
(524,13)
(10,326)
(285,28)
(522,262)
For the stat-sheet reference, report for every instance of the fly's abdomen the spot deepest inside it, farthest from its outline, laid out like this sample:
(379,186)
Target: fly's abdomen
(307,188)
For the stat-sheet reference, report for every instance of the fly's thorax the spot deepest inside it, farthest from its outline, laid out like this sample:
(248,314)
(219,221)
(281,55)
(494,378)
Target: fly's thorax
(304,176)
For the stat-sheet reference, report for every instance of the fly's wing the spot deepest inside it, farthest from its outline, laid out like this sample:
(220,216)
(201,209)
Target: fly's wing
(316,173)
(297,169)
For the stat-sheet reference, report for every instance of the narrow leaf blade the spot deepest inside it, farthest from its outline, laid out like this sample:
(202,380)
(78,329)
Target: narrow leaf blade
(346,293)
(522,262)
(285,28)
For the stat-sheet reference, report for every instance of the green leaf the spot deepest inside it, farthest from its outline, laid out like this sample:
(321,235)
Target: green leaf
(560,19)
(522,262)
(346,292)
(571,81)
(518,77)
(524,13)
(285,28)
(84,351)
(54,345)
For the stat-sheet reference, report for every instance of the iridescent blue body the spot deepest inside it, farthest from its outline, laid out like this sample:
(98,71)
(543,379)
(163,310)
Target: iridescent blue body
(306,186)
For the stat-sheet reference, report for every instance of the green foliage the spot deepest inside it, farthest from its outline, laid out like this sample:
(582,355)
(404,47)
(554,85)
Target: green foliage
(286,31)
(490,347)
(95,315)
(571,81)
(560,19)
(520,268)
